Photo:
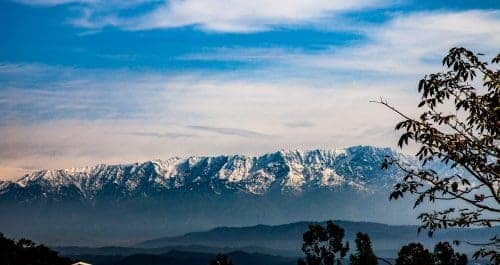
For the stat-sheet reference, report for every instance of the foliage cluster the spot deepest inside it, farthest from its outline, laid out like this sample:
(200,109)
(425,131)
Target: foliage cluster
(459,126)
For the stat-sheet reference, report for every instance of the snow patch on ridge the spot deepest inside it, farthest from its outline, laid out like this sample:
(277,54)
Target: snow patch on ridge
(285,171)
(236,169)
(330,178)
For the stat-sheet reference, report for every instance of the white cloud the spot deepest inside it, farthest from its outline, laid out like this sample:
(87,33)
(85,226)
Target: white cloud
(414,43)
(408,44)
(332,94)
(211,15)
(240,15)
(192,114)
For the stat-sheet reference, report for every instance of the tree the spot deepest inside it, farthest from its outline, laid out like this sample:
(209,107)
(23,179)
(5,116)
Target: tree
(364,254)
(465,137)
(444,254)
(322,244)
(25,252)
(221,259)
(414,254)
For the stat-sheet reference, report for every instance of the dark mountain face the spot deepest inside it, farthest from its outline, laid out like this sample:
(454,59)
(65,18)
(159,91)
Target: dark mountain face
(128,203)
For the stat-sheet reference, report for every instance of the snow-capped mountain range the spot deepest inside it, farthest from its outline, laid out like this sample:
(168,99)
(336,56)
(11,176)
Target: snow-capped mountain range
(356,168)
(122,203)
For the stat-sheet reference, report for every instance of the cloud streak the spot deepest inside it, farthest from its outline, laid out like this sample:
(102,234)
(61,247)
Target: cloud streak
(211,15)
(299,124)
(240,15)
(229,131)
(163,134)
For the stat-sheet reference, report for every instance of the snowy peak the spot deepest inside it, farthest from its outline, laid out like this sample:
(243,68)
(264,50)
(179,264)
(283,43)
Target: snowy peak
(296,171)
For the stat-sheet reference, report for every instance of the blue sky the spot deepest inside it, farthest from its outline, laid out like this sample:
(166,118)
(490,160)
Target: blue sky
(90,81)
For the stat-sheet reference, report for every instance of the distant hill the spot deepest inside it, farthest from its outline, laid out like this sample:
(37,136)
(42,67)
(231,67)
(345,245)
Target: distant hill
(280,232)
(286,240)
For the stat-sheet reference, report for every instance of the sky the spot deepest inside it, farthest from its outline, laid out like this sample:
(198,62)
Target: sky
(84,82)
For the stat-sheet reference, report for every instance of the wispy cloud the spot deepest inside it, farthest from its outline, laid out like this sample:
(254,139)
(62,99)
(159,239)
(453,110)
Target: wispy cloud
(407,44)
(211,15)
(152,115)
(240,15)
(37,92)
(413,43)
(299,124)
(240,54)
(163,134)
(229,131)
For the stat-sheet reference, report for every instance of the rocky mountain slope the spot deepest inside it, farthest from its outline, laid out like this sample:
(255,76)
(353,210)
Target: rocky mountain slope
(127,203)
(356,168)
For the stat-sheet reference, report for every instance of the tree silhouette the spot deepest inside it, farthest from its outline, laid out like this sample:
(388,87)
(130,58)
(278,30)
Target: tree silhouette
(221,259)
(322,244)
(414,254)
(364,254)
(444,254)
(465,137)
(25,252)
